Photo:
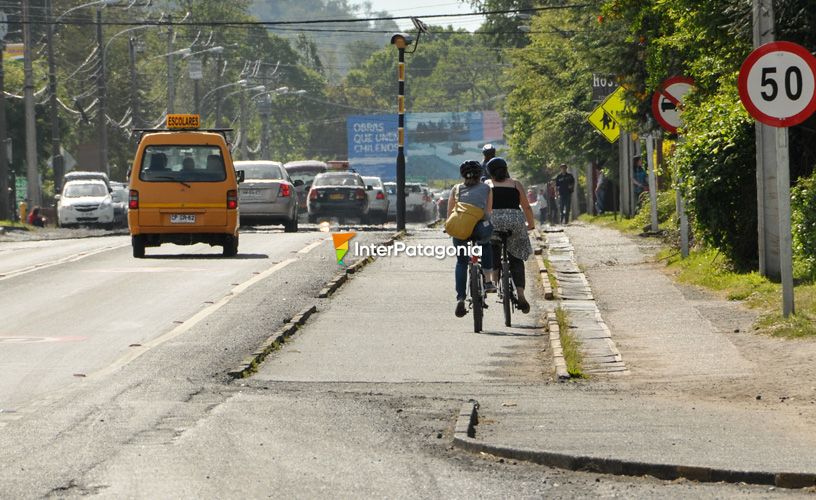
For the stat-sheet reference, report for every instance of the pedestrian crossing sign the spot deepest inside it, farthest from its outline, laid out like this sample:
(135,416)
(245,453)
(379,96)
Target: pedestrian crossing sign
(605,124)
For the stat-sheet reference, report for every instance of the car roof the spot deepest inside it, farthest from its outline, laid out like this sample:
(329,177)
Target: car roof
(258,163)
(86,181)
(305,163)
(337,173)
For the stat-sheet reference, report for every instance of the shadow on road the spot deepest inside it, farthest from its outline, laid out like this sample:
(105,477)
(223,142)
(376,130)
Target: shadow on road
(207,256)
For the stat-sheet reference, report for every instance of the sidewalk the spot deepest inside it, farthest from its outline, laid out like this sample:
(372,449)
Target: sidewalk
(665,417)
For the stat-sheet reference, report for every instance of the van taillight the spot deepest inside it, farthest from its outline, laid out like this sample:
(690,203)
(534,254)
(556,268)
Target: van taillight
(232,199)
(361,194)
(313,194)
(133,200)
(380,196)
(284,190)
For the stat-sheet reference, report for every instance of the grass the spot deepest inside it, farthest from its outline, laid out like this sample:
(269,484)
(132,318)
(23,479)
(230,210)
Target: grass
(709,269)
(11,223)
(569,345)
(551,275)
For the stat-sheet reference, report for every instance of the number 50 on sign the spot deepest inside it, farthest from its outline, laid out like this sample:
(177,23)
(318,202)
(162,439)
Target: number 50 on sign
(777,84)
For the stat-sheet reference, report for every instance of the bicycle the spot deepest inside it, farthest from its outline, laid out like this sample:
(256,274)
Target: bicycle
(507,288)
(476,286)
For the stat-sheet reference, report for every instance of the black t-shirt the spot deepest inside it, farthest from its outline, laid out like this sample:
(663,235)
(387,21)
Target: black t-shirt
(565,183)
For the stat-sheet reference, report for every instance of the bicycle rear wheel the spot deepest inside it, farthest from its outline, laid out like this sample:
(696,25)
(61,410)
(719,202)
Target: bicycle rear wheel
(476,297)
(507,293)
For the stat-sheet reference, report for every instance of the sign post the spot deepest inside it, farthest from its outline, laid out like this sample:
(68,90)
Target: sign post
(777,85)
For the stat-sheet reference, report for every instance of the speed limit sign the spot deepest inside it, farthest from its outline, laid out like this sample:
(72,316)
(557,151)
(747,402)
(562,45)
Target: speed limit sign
(777,84)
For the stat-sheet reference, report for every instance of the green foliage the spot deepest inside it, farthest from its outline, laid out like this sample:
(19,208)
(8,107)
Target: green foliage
(666,210)
(803,220)
(716,165)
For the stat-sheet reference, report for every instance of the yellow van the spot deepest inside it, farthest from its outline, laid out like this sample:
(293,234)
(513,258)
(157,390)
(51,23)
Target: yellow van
(183,188)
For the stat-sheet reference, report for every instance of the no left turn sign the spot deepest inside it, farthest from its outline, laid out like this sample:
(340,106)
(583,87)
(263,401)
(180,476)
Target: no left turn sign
(777,84)
(667,102)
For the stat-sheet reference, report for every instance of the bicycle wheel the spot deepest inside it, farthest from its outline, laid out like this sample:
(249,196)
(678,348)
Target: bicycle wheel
(476,297)
(506,292)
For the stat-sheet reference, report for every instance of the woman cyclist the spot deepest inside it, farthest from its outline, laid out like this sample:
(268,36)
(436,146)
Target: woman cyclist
(511,212)
(474,192)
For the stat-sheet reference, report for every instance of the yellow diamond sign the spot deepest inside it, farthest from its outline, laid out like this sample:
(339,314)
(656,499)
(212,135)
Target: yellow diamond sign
(605,124)
(606,117)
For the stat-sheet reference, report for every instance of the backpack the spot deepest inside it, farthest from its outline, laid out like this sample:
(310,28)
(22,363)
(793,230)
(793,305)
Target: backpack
(463,219)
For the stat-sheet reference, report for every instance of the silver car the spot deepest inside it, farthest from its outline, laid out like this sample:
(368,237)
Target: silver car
(267,195)
(377,200)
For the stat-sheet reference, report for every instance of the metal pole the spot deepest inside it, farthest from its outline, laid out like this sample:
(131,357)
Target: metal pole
(171,83)
(197,97)
(244,127)
(102,116)
(56,150)
(5,206)
(785,251)
(32,172)
(134,84)
(218,93)
(652,181)
(684,226)
(401,138)
(768,198)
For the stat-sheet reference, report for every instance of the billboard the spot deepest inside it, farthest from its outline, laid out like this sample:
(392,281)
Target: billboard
(435,143)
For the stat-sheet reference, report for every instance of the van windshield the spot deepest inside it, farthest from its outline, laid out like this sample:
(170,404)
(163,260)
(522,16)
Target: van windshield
(182,164)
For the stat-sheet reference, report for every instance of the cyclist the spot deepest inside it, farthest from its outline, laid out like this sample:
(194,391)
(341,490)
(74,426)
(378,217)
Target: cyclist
(488,152)
(511,212)
(474,192)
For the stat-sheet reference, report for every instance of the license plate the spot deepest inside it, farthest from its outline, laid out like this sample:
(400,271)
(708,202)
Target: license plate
(250,194)
(337,196)
(182,219)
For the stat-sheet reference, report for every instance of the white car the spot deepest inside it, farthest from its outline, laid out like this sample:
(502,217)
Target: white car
(378,202)
(85,202)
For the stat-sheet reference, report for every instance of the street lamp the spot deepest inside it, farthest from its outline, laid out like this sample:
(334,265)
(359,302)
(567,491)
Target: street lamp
(196,72)
(218,101)
(265,110)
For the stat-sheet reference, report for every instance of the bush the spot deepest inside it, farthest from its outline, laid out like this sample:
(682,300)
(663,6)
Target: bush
(803,224)
(717,167)
(666,209)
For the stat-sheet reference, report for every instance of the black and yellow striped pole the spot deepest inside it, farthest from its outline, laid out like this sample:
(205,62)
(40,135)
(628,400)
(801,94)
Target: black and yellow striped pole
(401,40)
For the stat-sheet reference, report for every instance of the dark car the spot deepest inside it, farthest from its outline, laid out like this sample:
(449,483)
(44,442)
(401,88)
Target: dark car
(304,171)
(338,194)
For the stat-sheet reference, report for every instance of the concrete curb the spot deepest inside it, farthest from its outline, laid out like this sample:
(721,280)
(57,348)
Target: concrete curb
(291,326)
(559,362)
(335,283)
(464,439)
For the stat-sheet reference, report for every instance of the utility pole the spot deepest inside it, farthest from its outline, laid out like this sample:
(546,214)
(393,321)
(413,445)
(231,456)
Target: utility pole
(32,172)
(171,83)
(652,181)
(56,150)
(766,156)
(5,208)
(134,84)
(401,41)
(102,115)
(219,73)
(265,110)
(244,127)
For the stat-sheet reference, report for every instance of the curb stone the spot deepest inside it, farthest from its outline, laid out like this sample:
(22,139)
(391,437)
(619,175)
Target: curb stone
(335,283)
(560,364)
(464,439)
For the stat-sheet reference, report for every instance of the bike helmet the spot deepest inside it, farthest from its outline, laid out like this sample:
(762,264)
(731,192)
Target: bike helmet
(488,149)
(497,168)
(471,169)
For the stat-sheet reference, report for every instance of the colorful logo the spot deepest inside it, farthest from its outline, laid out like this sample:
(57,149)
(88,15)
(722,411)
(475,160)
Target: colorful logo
(341,245)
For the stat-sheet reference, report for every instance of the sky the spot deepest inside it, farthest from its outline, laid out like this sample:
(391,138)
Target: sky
(420,8)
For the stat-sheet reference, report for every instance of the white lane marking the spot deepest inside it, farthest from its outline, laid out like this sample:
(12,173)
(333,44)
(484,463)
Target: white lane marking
(308,248)
(65,260)
(190,323)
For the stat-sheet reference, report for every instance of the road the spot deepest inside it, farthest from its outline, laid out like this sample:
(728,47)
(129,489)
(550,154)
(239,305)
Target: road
(115,377)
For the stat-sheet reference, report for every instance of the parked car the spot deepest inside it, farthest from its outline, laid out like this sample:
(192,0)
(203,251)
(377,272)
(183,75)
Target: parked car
(338,194)
(77,175)
(119,196)
(377,200)
(85,202)
(267,195)
(304,171)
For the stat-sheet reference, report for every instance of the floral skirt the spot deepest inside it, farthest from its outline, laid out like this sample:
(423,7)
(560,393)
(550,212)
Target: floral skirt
(512,220)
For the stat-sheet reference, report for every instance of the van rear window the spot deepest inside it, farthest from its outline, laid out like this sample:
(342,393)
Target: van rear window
(183,164)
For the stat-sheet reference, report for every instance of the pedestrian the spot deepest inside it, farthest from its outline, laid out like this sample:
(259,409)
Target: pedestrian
(35,219)
(600,188)
(532,197)
(552,202)
(565,183)
(542,206)
(488,153)
(640,182)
